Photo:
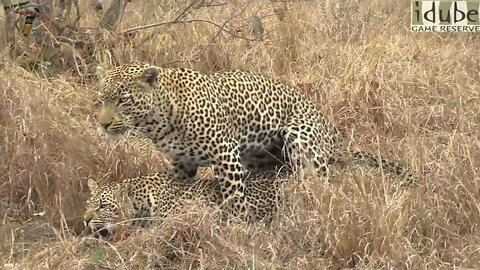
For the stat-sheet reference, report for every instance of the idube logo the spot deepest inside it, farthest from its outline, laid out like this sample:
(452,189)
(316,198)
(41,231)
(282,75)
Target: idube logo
(445,16)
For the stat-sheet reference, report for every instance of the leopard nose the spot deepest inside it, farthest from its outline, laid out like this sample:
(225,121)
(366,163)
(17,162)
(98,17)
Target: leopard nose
(86,222)
(103,232)
(105,125)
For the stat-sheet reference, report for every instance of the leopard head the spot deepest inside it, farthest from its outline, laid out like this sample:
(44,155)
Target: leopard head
(103,208)
(126,97)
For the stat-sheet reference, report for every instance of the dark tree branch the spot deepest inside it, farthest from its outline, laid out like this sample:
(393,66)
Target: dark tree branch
(195,4)
(221,27)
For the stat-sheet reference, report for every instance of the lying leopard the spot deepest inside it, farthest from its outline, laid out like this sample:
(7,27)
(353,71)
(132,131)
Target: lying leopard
(139,201)
(232,120)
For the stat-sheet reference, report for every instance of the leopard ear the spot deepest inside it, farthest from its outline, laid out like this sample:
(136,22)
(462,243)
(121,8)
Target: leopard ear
(100,73)
(149,76)
(92,184)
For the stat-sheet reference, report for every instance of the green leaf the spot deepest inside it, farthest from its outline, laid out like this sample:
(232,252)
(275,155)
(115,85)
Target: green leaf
(98,255)
(240,233)
(257,26)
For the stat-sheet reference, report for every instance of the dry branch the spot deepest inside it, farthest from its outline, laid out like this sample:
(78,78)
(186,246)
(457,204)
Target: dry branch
(114,14)
(220,26)
(9,27)
(195,4)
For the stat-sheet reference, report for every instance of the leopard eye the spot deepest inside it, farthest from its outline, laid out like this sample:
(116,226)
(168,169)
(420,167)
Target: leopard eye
(103,205)
(100,100)
(122,100)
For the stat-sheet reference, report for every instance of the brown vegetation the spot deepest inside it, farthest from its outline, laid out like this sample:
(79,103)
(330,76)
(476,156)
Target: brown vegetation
(411,96)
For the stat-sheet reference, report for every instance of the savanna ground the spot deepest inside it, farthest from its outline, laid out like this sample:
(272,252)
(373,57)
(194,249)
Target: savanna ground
(413,97)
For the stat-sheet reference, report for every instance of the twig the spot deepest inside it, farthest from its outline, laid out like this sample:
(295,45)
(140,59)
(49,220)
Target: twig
(182,14)
(221,29)
(135,29)
(214,5)
(261,17)
(186,21)
(290,1)
(68,40)
(185,10)
(210,42)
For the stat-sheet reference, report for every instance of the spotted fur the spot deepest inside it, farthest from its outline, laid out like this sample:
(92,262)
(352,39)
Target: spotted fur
(232,120)
(142,200)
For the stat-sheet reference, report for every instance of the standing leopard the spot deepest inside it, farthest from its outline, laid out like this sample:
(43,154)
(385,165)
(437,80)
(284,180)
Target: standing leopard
(228,120)
(151,198)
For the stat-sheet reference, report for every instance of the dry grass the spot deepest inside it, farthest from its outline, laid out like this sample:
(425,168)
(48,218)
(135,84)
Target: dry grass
(414,97)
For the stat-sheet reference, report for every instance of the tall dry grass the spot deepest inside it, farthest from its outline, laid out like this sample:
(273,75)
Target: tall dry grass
(409,96)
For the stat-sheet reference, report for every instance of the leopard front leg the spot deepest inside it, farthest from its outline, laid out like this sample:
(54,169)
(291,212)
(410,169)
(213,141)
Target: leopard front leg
(184,169)
(229,172)
(304,144)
